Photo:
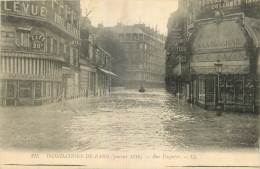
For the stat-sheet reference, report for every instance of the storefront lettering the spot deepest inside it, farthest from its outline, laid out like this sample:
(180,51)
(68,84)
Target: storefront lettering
(16,54)
(25,8)
(38,41)
(213,57)
(69,27)
(31,77)
(30,8)
(218,44)
(214,4)
(225,69)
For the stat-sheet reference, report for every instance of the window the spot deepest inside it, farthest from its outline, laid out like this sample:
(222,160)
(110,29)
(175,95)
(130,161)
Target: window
(74,57)
(201,88)
(10,89)
(38,88)
(61,48)
(49,44)
(22,39)
(55,46)
(44,89)
(25,88)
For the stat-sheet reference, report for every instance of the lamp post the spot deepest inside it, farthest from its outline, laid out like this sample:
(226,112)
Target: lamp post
(218,69)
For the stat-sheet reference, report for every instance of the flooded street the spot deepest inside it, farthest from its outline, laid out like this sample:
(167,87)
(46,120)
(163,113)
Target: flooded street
(125,120)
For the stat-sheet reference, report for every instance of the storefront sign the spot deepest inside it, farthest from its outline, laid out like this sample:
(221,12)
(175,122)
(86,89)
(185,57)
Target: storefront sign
(31,77)
(28,8)
(232,69)
(227,56)
(24,8)
(216,4)
(18,54)
(225,35)
(29,55)
(62,22)
(38,41)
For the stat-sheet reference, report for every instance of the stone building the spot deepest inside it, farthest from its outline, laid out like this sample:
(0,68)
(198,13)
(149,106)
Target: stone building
(95,63)
(213,53)
(144,50)
(39,51)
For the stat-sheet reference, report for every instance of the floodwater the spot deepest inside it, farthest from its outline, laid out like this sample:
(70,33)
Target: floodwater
(127,120)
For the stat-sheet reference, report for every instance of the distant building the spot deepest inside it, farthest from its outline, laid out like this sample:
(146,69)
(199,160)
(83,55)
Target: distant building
(39,51)
(213,54)
(95,63)
(144,49)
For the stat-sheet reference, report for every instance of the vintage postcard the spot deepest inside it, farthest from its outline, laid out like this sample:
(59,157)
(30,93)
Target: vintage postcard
(129,84)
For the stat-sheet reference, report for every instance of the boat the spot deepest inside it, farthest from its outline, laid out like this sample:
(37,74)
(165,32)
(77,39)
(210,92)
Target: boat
(142,89)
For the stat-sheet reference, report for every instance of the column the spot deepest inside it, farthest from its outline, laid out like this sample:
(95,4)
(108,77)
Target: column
(19,65)
(42,68)
(15,65)
(29,66)
(11,65)
(26,65)
(34,67)
(38,66)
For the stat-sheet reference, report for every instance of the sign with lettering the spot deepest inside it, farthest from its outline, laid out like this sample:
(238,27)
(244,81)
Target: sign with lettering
(59,20)
(31,77)
(37,41)
(226,69)
(29,55)
(39,9)
(223,56)
(225,35)
(216,4)
(24,8)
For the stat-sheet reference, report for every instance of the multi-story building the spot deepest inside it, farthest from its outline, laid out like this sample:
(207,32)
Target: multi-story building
(39,51)
(213,53)
(144,50)
(95,63)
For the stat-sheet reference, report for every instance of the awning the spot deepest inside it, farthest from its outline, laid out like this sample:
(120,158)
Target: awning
(107,72)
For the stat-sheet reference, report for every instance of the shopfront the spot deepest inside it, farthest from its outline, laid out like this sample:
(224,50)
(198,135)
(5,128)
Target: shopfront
(28,92)
(221,64)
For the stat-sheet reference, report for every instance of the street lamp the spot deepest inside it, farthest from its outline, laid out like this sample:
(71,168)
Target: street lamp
(218,70)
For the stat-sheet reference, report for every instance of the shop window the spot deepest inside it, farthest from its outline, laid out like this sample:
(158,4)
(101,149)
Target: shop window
(230,89)
(48,89)
(249,90)
(25,88)
(10,89)
(43,89)
(38,88)
(238,83)
(201,88)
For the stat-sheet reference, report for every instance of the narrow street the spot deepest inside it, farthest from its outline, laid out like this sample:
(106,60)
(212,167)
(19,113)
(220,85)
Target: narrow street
(154,120)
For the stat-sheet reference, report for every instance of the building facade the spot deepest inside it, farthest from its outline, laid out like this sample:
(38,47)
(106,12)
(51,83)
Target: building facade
(217,58)
(145,54)
(95,63)
(37,42)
